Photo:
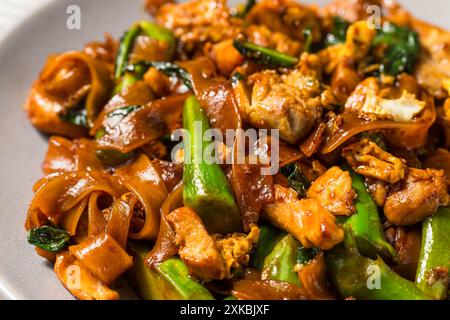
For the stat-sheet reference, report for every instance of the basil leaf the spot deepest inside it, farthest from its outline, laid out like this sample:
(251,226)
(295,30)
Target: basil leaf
(48,238)
(296,179)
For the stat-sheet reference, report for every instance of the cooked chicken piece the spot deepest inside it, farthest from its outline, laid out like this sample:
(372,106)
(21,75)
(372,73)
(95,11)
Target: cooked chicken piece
(79,281)
(358,42)
(377,189)
(289,103)
(198,21)
(158,82)
(333,190)
(307,220)
(236,248)
(263,36)
(419,196)
(368,99)
(306,76)
(363,95)
(344,80)
(433,69)
(225,56)
(197,247)
(369,160)
(288,17)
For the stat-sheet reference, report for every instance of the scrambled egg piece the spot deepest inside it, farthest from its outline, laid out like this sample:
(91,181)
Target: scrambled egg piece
(366,99)
(236,248)
(403,109)
(369,160)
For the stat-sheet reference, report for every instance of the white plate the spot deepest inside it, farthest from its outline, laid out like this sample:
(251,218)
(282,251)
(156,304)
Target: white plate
(24,275)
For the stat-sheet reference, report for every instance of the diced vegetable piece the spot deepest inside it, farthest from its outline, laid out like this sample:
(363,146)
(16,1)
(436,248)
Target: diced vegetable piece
(281,262)
(268,236)
(363,278)
(366,224)
(434,262)
(170,280)
(126,45)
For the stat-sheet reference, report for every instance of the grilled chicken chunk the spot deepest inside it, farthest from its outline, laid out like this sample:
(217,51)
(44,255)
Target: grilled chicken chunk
(419,196)
(210,257)
(433,69)
(369,160)
(198,21)
(334,191)
(290,103)
(307,220)
(197,247)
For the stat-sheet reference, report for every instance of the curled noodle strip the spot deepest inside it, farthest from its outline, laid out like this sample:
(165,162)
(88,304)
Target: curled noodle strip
(143,180)
(58,194)
(165,246)
(67,80)
(142,126)
(64,155)
(408,135)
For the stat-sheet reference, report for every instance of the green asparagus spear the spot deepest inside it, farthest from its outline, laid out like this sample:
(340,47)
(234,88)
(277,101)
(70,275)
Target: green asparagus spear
(129,77)
(152,30)
(366,224)
(170,280)
(124,77)
(157,32)
(206,189)
(262,55)
(434,263)
(363,278)
(126,45)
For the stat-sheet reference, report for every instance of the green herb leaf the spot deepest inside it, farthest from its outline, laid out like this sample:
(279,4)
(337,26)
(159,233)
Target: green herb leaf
(113,157)
(236,77)
(339,32)
(48,238)
(77,117)
(402,48)
(296,179)
(307,34)
(123,111)
(170,69)
(126,45)
(305,255)
(266,56)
